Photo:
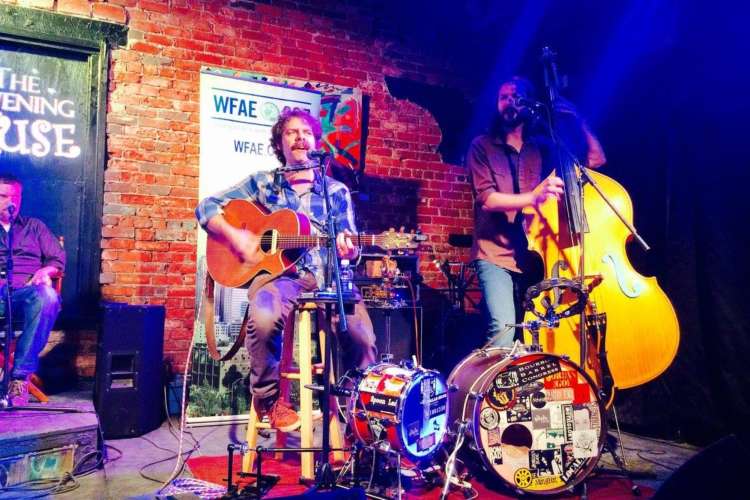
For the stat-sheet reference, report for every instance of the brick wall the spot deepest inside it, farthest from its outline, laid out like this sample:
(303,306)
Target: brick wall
(151,180)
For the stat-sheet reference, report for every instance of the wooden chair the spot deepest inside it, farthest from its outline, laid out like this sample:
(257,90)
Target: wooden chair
(304,325)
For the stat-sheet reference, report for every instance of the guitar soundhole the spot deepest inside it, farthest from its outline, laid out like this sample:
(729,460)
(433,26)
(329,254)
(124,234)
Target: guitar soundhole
(266,241)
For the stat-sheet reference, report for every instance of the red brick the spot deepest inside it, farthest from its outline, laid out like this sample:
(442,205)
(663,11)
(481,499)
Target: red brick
(78,7)
(109,12)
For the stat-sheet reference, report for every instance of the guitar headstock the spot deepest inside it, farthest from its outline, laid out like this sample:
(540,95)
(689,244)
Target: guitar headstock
(400,240)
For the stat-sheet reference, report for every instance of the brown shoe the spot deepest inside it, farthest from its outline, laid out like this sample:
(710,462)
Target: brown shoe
(18,392)
(282,417)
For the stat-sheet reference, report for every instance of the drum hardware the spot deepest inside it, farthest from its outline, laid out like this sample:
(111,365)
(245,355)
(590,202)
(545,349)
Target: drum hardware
(450,464)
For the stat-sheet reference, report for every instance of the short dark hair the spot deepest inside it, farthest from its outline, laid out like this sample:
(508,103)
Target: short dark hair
(278,129)
(8,178)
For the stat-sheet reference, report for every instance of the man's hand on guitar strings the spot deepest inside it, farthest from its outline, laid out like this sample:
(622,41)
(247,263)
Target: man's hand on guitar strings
(344,245)
(246,245)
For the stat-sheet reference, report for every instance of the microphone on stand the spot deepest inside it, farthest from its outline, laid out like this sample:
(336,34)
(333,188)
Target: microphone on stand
(318,155)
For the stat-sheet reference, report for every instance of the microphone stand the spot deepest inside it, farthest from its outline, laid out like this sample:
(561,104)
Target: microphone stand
(7,299)
(324,477)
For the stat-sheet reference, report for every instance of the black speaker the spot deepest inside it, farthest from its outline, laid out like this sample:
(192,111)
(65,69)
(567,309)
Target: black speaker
(402,342)
(708,474)
(128,390)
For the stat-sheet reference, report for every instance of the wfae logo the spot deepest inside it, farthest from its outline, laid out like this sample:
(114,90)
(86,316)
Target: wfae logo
(34,120)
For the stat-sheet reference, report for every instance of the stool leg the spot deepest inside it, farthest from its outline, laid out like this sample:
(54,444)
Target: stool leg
(305,395)
(337,438)
(248,461)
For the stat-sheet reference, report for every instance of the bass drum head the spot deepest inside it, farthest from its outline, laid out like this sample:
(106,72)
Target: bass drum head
(539,425)
(407,407)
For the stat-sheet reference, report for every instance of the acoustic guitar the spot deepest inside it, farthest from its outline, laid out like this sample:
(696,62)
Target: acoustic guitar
(284,236)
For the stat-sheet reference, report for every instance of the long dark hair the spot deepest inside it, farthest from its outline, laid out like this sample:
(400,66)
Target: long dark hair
(525,88)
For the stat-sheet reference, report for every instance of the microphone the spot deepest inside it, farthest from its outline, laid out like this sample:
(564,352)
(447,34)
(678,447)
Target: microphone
(318,155)
(529,103)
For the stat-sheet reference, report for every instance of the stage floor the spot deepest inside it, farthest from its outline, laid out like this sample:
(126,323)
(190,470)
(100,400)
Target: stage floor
(121,476)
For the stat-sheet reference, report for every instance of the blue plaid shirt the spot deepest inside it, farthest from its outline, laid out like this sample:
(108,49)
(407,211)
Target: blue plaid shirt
(274,192)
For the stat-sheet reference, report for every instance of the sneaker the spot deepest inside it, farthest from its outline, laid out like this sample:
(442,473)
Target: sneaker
(18,392)
(283,417)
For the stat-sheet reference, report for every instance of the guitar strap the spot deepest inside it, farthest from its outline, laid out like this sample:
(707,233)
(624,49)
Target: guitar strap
(208,318)
(208,321)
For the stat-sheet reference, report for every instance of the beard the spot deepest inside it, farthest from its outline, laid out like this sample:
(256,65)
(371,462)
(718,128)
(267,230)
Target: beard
(511,117)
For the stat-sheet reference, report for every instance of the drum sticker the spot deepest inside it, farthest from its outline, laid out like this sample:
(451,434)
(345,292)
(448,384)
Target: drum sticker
(538,400)
(489,418)
(438,406)
(585,444)
(534,370)
(412,431)
(540,419)
(551,438)
(507,379)
(370,383)
(501,398)
(426,443)
(495,454)
(377,429)
(594,415)
(571,465)
(581,418)
(494,437)
(562,394)
(546,462)
(383,404)
(531,388)
(522,477)
(567,378)
(568,422)
(393,386)
(555,416)
(520,412)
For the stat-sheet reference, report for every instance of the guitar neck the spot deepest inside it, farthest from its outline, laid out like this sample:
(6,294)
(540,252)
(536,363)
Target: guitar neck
(292,241)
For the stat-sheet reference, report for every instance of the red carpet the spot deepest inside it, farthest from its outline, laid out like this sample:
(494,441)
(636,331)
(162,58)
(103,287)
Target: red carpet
(214,469)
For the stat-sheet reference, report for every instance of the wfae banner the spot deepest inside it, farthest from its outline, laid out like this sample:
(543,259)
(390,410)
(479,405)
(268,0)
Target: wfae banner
(236,116)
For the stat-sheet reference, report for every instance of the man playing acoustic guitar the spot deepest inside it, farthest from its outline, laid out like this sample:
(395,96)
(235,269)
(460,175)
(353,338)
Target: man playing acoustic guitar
(273,298)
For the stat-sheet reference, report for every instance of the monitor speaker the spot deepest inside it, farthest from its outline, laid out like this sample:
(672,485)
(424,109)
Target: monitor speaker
(128,392)
(401,342)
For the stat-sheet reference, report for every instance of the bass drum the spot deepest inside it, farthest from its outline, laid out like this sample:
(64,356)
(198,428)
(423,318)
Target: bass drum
(405,407)
(536,418)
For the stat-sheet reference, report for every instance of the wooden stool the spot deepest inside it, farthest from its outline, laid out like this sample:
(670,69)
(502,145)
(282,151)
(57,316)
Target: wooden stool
(304,324)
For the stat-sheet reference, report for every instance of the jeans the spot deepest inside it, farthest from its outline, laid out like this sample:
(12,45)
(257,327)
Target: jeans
(498,287)
(271,305)
(39,306)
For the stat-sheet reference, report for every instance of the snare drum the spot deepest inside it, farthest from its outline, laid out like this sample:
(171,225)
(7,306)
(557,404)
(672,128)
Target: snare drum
(406,407)
(536,418)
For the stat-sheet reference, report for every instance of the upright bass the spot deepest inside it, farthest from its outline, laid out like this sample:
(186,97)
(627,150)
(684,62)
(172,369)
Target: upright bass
(627,331)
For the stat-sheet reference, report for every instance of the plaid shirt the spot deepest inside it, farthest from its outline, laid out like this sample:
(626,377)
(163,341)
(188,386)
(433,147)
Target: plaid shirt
(274,192)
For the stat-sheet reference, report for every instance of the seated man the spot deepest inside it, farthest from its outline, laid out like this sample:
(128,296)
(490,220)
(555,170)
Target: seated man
(294,135)
(37,258)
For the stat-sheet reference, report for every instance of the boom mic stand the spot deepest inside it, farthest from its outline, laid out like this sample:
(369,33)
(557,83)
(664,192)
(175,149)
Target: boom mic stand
(324,476)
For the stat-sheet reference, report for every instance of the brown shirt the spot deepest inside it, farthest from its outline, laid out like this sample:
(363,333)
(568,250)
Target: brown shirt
(497,167)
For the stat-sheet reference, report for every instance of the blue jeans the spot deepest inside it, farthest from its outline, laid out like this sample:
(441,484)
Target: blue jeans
(498,304)
(38,306)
